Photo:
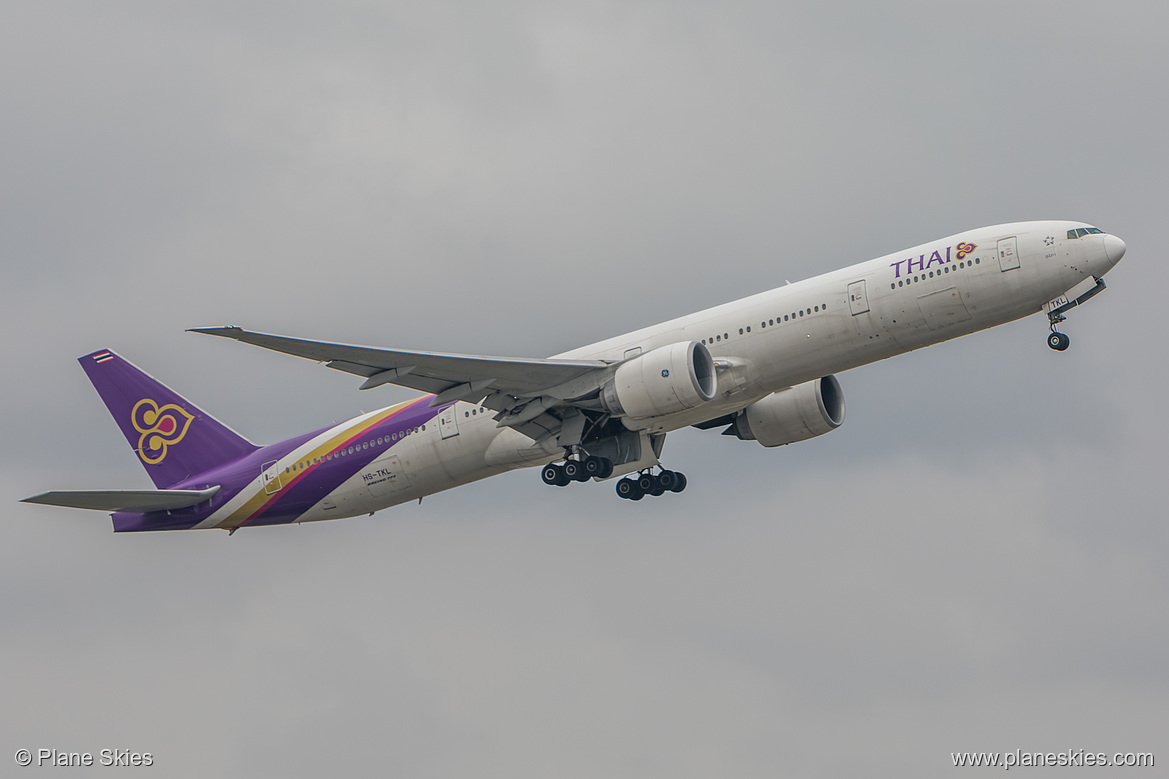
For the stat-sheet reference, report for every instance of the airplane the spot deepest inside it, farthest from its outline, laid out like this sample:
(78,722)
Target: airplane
(762,368)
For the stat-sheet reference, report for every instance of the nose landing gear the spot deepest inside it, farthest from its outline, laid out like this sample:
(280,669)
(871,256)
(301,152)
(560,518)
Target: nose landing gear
(1057,340)
(1076,296)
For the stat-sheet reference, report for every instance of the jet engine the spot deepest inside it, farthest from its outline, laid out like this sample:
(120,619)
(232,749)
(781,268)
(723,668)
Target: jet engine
(668,379)
(793,414)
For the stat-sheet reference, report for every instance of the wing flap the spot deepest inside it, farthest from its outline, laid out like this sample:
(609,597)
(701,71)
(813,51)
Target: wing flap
(125,500)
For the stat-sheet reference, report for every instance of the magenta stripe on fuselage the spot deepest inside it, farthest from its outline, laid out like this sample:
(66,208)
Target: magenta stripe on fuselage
(310,486)
(299,493)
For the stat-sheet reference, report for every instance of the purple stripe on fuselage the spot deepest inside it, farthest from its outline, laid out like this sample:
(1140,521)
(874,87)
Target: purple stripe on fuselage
(314,483)
(304,490)
(232,478)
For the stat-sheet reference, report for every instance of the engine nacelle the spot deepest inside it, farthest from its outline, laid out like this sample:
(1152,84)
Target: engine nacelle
(793,414)
(668,379)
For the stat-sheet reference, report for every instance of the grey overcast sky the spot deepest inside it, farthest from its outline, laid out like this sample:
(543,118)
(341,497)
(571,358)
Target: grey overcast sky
(974,561)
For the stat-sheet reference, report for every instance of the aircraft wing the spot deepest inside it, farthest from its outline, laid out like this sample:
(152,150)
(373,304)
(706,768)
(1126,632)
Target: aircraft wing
(504,384)
(125,500)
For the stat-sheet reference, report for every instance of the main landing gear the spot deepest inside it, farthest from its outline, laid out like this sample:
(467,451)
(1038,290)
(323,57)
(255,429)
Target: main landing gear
(634,487)
(577,470)
(645,483)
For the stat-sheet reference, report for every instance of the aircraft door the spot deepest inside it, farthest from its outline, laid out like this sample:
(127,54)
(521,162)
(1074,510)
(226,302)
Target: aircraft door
(1009,253)
(448,423)
(858,299)
(270,474)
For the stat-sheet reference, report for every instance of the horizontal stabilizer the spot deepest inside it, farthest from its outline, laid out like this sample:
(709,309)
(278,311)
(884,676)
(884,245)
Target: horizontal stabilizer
(125,500)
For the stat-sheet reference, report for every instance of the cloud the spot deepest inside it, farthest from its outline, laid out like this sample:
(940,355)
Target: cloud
(971,562)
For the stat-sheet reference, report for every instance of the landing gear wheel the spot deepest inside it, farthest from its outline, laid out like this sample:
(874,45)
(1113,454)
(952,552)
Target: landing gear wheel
(680,484)
(593,466)
(574,471)
(647,483)
(667,480)
(1058,341)
(606,468)
(553,475)
(628,489)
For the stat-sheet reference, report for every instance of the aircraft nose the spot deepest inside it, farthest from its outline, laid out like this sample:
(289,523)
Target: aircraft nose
(1114,248)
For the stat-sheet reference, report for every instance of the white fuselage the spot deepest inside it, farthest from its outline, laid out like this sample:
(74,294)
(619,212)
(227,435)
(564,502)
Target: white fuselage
(784,337)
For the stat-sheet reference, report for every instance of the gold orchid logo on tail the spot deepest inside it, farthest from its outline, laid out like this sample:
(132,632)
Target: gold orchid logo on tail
(160,428)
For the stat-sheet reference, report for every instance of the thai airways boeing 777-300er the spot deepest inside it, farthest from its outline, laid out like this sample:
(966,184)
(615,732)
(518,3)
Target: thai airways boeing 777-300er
(762,368)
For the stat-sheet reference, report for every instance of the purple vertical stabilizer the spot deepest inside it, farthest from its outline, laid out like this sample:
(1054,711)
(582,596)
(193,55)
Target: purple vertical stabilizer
(171,437)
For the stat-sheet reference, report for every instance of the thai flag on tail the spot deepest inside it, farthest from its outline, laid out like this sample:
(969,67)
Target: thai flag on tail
(103,357)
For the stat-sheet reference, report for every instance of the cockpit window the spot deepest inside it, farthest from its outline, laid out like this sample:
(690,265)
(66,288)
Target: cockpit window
(1080,232)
